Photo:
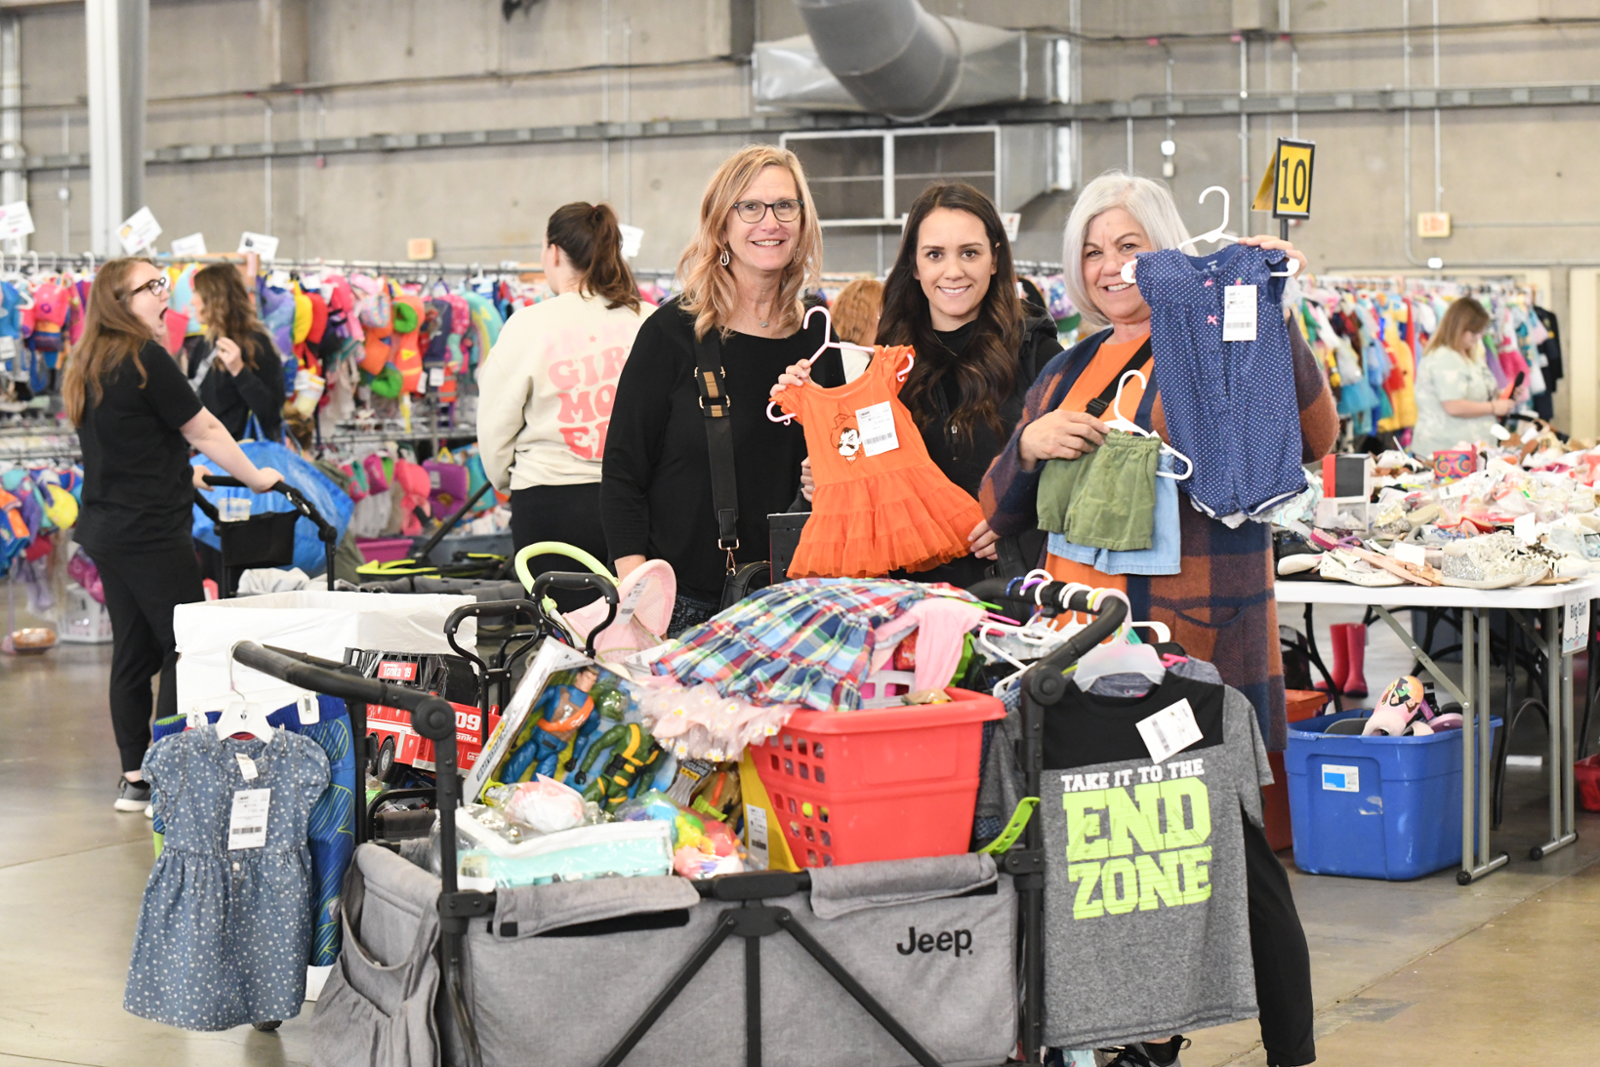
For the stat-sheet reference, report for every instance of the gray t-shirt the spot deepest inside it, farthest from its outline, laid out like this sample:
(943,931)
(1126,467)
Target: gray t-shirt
(1147,929)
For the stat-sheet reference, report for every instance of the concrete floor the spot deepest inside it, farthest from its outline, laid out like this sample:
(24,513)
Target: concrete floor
(1420,973)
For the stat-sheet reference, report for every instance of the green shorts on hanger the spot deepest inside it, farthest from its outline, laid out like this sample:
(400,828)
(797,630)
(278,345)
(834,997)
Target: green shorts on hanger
(1106,499)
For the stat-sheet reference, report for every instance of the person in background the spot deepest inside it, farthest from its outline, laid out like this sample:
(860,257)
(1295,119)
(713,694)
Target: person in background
(238,374)
(952,295)
(856,311)
(137,419)
(547,388)
(1456,398)
(755,251)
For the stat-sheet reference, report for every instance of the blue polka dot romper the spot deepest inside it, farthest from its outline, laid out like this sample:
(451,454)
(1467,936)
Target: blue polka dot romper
(1230,405)
(224,936)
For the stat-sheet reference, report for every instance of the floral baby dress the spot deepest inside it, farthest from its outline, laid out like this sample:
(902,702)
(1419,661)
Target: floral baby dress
(881,504)
(224,935)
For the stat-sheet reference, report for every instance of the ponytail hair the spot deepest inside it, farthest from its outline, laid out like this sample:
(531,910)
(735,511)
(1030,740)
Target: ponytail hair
(588,235)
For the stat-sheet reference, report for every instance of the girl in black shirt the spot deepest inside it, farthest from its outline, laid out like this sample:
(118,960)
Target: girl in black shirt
(137,419)
(243,374)
(952,295)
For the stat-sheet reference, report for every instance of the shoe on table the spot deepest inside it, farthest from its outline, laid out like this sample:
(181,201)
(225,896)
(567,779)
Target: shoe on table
(132,796)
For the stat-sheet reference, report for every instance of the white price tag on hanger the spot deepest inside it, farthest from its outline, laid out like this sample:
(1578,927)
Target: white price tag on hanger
(876,424)
(629,605)
(247,823)
(436,376)
(1239,313)
(1169,731)
(310,709)
(247,766)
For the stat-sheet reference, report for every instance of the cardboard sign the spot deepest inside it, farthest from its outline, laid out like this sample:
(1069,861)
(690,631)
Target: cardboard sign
(15,220)
(192,245)
(262,244)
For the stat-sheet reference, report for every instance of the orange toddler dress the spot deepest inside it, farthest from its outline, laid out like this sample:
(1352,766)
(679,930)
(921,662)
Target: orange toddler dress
(881,504)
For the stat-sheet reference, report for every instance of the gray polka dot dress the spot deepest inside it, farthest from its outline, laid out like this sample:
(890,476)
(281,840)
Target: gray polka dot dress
(224,936)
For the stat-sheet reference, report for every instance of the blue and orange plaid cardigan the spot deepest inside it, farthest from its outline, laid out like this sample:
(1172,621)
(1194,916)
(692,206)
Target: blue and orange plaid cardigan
(1220,606)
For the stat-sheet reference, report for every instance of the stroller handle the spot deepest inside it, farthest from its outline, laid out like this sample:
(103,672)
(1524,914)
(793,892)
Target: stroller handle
(1044,680)
(519,610)
(576,581)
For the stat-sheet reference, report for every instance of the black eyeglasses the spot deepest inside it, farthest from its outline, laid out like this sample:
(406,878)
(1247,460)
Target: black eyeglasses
(159,286)
(753,211)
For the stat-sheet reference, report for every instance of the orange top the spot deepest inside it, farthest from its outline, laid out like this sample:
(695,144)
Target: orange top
(1111,358)
(881,504)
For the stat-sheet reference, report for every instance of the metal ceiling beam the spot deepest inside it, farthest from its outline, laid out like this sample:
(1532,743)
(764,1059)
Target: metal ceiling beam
(1378,101)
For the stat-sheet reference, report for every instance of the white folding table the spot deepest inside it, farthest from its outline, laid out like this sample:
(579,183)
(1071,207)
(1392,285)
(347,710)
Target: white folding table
(1565,608)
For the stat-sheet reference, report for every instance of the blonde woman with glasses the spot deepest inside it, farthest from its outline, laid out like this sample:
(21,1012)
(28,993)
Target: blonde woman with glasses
(757,249)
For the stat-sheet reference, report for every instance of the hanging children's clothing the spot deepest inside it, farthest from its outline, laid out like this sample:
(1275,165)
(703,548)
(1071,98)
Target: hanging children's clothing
(331,833)
(1165,552)
(1230,404)
(881,504)
(1154,889)
(1105,499)
(224,932)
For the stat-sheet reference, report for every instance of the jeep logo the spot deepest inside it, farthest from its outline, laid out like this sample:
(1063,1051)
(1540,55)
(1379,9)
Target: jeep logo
(959,941)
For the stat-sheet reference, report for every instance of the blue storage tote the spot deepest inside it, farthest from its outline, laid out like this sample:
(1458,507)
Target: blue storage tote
(1374,807)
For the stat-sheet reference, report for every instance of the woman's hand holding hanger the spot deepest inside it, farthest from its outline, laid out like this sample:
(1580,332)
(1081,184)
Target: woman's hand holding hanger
(793,377)
(1060,435)
(1280,245)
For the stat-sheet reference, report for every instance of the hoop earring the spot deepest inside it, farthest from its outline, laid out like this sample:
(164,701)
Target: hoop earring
(723,259)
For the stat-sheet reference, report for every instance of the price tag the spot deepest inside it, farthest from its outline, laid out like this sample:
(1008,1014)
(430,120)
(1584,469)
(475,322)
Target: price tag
(1408,553)
(247,766)
(1340,778)
(192,245)
(629,605)
(247,823)
(1574,627)
(755,831)
(279,279)
(1170,730)
(310,709)
(876,425)
(1526,528)
(1239,313)
(435,376)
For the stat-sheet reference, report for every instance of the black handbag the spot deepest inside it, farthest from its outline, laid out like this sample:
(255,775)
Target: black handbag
(742,579)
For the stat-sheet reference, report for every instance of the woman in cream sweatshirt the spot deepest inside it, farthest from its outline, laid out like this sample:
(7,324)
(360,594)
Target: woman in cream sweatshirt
(546,390)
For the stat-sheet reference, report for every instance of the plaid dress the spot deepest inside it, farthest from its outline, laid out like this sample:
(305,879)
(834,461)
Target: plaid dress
(806,642)
(1220,605)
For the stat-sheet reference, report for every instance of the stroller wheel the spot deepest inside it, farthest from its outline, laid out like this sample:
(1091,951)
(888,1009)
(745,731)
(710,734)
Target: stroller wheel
(383,769)
(268,1026)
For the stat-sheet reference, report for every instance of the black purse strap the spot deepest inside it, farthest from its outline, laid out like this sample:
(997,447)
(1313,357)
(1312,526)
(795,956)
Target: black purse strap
(1099,404)
(715,406)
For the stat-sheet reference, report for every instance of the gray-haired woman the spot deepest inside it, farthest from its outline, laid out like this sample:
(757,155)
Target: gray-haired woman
(1219,606)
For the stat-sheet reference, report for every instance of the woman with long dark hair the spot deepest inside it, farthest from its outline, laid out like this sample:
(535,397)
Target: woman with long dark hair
(240,374)
(137,419)
(952,295)
(546,391)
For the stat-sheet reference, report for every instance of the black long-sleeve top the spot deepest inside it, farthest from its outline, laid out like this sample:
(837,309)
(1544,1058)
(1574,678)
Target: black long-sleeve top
(655,485)
(232,398)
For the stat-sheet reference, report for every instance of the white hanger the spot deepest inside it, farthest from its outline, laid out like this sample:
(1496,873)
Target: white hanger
(911,359)
(242,716)
(1122,422)
(1117,656)
(1219,234)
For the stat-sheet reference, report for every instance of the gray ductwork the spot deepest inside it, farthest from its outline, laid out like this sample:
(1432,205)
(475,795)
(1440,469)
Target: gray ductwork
(894,58)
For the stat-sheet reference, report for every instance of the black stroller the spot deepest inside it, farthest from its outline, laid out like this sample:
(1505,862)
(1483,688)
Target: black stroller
(263,540)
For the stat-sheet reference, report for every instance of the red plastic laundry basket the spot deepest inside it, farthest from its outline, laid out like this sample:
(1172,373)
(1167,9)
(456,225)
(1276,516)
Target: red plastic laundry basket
(882,784)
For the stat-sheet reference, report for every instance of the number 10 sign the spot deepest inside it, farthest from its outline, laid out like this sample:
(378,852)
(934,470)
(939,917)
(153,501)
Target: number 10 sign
(1291,179)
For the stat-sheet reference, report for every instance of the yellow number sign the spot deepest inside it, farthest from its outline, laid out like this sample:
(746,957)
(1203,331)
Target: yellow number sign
(1291,179)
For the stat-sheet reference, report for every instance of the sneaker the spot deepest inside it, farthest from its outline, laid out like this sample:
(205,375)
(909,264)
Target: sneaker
(1138,1055)
(132,796)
